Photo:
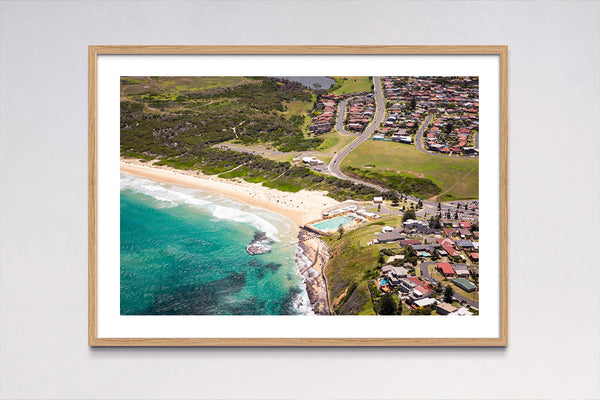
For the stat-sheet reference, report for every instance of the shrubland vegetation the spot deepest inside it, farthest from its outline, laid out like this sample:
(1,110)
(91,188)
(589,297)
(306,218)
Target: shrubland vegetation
(179,124)
(404,183)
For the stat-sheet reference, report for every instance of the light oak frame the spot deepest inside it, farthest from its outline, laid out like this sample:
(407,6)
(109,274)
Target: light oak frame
(94,51)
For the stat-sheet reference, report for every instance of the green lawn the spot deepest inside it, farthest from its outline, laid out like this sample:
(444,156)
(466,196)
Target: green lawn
(286,157)
(351,84)
(334,142)
(297,107)
(437,275)
(458,178)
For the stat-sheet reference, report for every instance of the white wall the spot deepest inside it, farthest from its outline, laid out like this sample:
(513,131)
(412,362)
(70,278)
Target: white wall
(554,198)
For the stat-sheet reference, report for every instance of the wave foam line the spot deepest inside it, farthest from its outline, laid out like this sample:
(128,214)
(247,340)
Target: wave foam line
(175,195)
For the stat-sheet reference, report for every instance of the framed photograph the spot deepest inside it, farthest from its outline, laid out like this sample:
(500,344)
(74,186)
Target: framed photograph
(298,195)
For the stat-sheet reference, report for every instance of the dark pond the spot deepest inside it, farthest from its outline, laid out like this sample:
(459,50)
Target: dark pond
(312,82)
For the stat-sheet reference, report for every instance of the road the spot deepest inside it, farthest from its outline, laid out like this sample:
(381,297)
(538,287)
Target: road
(419,137)
(341,116)
(424,267)
(336,161)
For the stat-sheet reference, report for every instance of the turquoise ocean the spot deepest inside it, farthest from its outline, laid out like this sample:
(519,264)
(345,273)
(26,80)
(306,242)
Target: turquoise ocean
(183,252)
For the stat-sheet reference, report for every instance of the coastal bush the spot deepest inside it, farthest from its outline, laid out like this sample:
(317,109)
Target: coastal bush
(403,183)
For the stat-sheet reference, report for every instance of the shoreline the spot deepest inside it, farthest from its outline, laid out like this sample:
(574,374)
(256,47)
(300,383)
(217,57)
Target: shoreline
(317,252)
(300,207)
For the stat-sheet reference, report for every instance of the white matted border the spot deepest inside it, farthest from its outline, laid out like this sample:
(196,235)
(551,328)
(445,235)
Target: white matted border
(110,324)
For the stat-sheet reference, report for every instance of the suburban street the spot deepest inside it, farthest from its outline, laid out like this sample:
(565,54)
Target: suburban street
(341,115)
(424,268)
(334,165)
(419,137)
(419,141)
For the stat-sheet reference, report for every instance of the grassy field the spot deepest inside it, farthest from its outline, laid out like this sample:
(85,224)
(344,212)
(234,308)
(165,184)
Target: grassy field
(297,107)
(441,278)
(351,84)
(334,142)
(458,178)
(287,157)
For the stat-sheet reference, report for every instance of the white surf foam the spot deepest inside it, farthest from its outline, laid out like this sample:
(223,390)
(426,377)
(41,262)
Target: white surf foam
(173,195)
(301,300)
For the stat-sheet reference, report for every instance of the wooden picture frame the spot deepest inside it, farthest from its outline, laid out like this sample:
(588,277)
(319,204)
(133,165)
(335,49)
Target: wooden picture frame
(94,52)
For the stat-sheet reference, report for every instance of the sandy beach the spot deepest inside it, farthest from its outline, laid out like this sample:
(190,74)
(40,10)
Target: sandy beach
(301,207)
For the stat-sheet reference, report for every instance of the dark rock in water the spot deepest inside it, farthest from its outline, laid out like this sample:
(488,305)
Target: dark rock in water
(260,244)
(257,248)
(273,266)
(261,237)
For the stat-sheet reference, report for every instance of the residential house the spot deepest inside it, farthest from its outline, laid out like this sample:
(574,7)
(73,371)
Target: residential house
(464,284)
(445,308)
(461,270)
(446,269)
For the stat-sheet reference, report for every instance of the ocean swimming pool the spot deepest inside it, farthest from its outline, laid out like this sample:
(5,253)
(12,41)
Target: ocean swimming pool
(333,224)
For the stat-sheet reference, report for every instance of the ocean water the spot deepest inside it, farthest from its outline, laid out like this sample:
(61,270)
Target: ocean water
(183,252)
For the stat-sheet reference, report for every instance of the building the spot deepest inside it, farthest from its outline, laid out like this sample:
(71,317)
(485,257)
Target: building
(464,284)
(312,161)
(446,269)
(465,244)
(463,311)
(413,223)
(445,308)
(378,200)
(409,242)
(428,301)
(393,236)
(461,270)
(394,274)
(474,257)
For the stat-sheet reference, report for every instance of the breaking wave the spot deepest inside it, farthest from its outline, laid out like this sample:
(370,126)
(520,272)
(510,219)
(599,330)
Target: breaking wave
(173,196)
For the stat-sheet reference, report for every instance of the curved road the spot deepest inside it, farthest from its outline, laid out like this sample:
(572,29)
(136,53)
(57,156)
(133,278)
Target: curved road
(341,115)
(419,142)
(334,165)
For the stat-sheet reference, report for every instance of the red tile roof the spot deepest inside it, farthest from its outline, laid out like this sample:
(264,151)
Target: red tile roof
(419,282)
(449,250)
(446,268)
(448,232)
(446,241)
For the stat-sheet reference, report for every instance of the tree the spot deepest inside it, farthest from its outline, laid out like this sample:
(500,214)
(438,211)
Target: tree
(413,104)
(439,288)
(410,214)
(420,203)
(439,206)
(448,294)
(340,231)
(381,259)
(387,305)
(435,255)
(378,207)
